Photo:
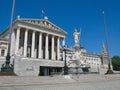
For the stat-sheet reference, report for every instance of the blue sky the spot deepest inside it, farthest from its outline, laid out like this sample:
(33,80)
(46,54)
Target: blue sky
(70,14)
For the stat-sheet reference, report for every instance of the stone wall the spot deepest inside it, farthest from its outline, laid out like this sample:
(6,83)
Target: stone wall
(30,66)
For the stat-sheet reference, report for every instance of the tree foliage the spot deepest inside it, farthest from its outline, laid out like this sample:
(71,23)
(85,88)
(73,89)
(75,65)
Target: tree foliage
(116,63)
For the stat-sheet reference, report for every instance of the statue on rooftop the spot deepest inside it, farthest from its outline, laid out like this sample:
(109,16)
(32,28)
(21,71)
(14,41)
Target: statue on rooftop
(76,39)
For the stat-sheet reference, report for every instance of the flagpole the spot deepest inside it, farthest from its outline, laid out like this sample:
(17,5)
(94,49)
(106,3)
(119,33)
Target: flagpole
(109,71)
(42,14)
(80,35)
(7,67)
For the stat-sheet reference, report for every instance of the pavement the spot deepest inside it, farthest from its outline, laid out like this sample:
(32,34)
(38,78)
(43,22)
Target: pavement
(47,80)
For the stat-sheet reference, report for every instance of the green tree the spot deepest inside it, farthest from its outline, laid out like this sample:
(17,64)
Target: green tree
(116,63)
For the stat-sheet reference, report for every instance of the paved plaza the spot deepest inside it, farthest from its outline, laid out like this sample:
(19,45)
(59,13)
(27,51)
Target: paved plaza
(71,82)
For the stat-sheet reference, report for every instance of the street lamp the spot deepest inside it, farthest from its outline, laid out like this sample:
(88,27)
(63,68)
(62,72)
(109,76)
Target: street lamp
(65,64)
(7,67)
(109,71)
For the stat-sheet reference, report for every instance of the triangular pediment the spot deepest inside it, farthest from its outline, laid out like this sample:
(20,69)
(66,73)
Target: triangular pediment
(43,23)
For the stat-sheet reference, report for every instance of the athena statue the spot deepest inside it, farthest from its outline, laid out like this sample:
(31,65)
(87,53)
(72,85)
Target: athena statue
(76,35)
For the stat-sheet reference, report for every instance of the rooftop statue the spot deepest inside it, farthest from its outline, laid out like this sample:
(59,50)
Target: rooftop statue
(76,39)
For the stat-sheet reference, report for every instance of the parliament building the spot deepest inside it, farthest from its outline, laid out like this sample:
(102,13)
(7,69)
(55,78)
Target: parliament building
(36,48)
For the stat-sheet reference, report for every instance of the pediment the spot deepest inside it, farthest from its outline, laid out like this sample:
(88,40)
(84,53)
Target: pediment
(43,23)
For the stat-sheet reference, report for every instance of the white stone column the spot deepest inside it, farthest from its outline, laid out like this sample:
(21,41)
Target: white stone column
(52,47)
(17,40)
(58,48)
(0,51)
(46,47)
(40,45)
(63,43)
(33,44)
(25,42)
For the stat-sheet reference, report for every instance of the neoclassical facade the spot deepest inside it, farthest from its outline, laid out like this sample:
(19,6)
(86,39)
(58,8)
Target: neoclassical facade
(35,40)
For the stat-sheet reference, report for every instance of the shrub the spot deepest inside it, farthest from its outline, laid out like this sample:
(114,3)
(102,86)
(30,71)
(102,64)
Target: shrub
(116,63)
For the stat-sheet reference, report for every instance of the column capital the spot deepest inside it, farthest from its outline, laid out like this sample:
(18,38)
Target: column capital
(63,38)
(26,29)
(18,27)
(53,36)
(58,37)
(34,31)
(46,34)
(41,32)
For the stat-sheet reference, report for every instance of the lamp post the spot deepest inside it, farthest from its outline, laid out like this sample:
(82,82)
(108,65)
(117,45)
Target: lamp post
(7,67)
(109,71)
(65,64)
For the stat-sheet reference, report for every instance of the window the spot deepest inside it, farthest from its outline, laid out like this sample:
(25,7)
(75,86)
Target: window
(2,52)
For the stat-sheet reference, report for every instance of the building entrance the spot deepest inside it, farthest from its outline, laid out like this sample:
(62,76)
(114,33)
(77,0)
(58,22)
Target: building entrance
(46,71)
